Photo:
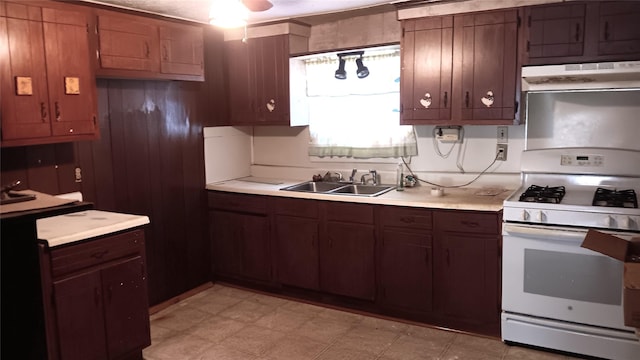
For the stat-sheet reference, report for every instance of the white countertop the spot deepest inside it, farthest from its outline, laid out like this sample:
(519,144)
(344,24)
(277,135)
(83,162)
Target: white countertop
(67,228)
(467,198)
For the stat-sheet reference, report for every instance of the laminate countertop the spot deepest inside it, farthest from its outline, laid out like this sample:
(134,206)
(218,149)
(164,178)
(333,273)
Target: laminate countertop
(466,198)
(82,225)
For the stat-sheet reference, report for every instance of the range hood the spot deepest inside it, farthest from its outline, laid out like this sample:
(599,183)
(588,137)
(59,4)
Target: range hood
(604,75)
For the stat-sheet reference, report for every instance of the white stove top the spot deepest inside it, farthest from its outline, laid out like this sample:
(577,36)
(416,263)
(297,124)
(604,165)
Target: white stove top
(581,171)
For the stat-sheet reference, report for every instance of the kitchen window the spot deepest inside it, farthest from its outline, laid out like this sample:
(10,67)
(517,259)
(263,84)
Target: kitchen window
(357,117)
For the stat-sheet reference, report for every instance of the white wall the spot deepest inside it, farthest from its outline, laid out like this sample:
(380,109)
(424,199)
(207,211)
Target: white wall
(282,151)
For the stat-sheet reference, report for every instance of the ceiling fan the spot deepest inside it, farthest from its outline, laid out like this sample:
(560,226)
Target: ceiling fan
(234,13)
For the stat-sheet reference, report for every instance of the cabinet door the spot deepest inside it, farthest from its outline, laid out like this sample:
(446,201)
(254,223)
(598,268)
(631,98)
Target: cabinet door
(347,260)
(241,245)
(469,277)
(297,251)
(226,232)
(128,43)
(25,98)
(619,28)
(71,81)
(80,319)
(271,59)
(181,49)
(406,270)
(126,311)
(427,57)
(256,254)
(555,30)
(242,82)
(488,43)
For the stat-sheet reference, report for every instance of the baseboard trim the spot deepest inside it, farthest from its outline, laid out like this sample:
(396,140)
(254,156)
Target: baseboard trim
(176,299)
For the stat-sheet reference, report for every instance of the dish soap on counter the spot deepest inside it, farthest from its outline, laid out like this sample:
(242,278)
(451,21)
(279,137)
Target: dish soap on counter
(400,177)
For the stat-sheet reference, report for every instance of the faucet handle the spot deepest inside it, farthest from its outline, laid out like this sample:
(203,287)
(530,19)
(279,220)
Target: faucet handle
(352,178)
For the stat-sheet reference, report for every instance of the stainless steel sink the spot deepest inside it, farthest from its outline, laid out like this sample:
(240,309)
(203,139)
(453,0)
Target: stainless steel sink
(313,186)
(339,188)
(363,190)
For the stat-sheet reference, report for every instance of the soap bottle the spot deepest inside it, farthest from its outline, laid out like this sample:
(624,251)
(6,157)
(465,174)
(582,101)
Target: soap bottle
(400,177)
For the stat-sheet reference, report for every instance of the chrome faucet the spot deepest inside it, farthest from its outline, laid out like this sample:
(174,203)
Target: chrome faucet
(374,177)
(328,177)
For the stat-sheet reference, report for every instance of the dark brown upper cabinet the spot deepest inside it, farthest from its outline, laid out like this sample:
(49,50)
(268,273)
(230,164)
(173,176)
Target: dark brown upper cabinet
(427,59)
(582,32)
(127,43)
(181,49)
(460,70)
(48,87)
(488,46)
(258,71)
(131,46)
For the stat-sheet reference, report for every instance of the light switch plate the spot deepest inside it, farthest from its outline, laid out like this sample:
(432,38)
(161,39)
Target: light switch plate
(503,134)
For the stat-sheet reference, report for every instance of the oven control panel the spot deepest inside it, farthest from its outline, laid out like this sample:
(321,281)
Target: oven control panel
(582,160)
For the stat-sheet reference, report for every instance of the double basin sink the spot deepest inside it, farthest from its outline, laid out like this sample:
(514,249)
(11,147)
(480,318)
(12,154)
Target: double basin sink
(320,187)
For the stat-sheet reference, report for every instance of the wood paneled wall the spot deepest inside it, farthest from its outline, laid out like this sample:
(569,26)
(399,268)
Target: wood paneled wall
(149,160)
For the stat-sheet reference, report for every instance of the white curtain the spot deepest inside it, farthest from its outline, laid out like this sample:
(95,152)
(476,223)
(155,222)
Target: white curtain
(357,117)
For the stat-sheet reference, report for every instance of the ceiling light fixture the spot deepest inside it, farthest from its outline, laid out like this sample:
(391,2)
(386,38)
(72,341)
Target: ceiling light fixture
(228,13)
(362,71)
(340,73)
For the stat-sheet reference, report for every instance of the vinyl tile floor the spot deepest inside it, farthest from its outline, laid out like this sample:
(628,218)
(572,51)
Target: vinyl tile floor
(227,323)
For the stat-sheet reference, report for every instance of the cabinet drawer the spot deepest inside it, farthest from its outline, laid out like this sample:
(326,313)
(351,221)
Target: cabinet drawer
(467,221)
(76,257)
(406,217)
(238,202)
(349,212)
(296,207)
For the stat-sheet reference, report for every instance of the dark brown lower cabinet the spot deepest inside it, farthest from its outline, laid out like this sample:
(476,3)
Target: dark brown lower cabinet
(405,266)
(467,266)
(347,261)
(241,246)
(240,233)
(441,267)
(95,295)
(347,250)
(296,241)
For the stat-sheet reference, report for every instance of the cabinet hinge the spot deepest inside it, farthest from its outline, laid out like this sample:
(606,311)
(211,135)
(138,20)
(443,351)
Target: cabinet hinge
(515,106)
(518,21)
(87,28)
(528,45)
(402,32)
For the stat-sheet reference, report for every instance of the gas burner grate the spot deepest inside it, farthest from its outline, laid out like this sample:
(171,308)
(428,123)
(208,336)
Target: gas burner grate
(615,198)
(543,194)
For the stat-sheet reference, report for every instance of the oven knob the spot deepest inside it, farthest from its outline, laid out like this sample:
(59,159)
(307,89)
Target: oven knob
(608,221)
(525,215)
(624,222)
(540,216)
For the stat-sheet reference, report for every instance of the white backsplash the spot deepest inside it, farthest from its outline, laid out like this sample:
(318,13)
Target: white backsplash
(282,152)
(227,153)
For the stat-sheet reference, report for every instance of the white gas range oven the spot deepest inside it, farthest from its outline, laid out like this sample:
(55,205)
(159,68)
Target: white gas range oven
(556,294)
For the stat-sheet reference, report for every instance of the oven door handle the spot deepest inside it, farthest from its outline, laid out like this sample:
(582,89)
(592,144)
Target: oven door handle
(538,233)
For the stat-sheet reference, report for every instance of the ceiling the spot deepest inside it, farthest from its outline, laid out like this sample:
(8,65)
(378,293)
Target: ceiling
(304,10)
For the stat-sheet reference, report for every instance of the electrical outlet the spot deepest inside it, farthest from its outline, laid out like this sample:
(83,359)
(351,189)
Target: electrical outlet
(501,149)
(503,134)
